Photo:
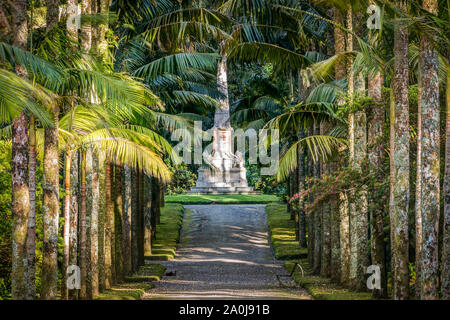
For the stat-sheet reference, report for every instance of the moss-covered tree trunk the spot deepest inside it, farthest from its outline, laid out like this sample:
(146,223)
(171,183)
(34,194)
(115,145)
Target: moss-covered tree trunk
(310,217)
(156,204)
(109,225)
(374,138)
(317,216)
(89,208)
(101,223)
(94,229)
(301,157)
(336,206)
(134,220)
(140,222)
(445,261)
(83,227)
(50,210)
(20,206)
(31,232)
(118,216)
(66,232)
(296,211)
(86,32)
(360,224)
(74,206)
(325,266)
(126,232)
(430,162)
(148,225)
(400,163)
(418,202)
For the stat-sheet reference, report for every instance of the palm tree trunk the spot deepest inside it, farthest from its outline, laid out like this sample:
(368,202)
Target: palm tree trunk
(317,217)
(296,211)
(31,233)
(301,187)
(289,193)
(89,209)
(156,204)
(148,225)
(73,225)
(375,135)
(50,204)
(140,223)
(86,32)
(127,207)
(430,162)
(118,215)
(445,264)
(94,230)
(351,146)
(163,202)
(325,266)
(52,14)
(361,223)
(134,220)
(400,163)
(50,208)
(83,227)
(20,206)
(418,203)
(66,232)
(337,209)
(101,223)
(310,220)
(109,224)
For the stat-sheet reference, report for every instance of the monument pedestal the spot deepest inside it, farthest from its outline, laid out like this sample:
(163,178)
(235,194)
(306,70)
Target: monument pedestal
(225,173)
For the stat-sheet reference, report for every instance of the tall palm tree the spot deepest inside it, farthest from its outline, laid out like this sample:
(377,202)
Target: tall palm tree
(399,161)
(429,278)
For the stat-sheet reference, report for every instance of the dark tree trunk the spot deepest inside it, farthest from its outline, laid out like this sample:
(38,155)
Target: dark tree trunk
(126,232)
(148,215)
(31,233)
(156,205)
(375,136)
(134,220)
(101,224)
(109,228)
(118,215)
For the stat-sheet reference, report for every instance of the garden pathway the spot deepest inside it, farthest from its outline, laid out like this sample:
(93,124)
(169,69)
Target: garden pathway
(225,254)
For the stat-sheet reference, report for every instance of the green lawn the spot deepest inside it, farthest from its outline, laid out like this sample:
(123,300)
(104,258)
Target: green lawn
(282,236)
(167,232)
(282,233)
(222,198)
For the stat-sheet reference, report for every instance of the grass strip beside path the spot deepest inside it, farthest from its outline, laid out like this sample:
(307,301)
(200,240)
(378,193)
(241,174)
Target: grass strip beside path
(221,198)
(285,247)
(167,232)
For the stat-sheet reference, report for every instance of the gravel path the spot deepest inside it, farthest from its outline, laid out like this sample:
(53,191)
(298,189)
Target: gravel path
(224,254)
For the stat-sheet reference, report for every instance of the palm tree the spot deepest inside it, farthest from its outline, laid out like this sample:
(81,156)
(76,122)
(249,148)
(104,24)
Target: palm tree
(399,201)
(20,192)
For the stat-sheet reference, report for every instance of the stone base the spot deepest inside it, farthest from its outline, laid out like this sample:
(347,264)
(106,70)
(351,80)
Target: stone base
(222,190)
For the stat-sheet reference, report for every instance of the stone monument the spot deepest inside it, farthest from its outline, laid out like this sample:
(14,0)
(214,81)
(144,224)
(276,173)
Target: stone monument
(225,172)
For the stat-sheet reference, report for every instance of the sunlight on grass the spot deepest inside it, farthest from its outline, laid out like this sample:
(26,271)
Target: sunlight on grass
(167,232)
